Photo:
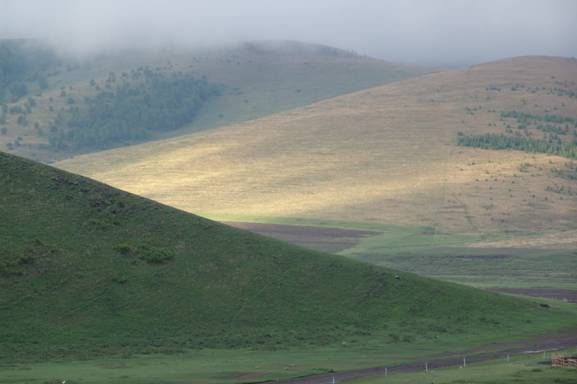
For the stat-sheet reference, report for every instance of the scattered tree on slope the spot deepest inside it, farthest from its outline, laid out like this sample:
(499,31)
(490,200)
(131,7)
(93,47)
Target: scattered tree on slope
(22,62)
(552,134)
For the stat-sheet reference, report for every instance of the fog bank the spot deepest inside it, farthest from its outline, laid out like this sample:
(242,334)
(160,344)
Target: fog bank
(437,32)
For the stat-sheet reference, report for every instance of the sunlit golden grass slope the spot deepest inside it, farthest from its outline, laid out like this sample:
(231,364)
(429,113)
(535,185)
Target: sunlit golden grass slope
(384,155)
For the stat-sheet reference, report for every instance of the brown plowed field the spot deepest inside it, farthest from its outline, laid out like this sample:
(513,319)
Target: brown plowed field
(318,238)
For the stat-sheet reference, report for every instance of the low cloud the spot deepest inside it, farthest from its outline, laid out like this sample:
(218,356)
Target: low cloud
(416,31)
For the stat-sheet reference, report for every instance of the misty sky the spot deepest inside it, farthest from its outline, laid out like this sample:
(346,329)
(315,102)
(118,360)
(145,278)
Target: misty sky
(415,31)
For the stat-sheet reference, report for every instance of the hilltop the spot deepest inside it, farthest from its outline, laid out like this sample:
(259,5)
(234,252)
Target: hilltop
(56,106)
(88,269)
(402,154)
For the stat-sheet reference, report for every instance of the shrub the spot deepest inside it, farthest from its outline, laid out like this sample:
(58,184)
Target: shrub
(394,338)
(151,255)
(408,338)
(569,171)
(154,255)
(22,121)
(123,249)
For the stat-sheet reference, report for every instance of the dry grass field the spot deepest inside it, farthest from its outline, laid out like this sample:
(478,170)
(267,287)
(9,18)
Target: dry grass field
(384,155)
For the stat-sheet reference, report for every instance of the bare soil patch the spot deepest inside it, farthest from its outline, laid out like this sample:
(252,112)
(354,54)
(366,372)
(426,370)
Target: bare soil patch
(318,238)
(483,257)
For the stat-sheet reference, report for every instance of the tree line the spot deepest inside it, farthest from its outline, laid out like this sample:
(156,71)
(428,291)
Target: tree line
(130,108)
(527,144)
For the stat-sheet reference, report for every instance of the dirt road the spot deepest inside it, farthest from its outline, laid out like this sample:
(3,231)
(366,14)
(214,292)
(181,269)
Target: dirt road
(549,293)
(550,343)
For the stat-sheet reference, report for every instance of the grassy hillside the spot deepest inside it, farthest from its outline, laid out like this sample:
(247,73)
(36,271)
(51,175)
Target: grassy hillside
(85,268)
(385,155)
(256,79)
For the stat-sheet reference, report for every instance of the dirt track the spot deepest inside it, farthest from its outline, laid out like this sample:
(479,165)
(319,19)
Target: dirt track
(542,344)
(319,238)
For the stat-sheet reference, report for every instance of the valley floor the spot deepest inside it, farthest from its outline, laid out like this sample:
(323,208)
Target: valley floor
(405,364)
(363,362)
(508,263)
(544,345)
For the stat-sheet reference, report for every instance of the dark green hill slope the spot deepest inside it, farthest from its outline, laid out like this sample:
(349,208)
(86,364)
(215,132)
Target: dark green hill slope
(85,267)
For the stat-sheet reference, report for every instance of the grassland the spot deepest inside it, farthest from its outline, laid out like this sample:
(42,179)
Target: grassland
(480,260)
(245,366)
(386,159)
(99,285)
(89,270)
(485,268)
(257,78)
(387,155)
(493,260)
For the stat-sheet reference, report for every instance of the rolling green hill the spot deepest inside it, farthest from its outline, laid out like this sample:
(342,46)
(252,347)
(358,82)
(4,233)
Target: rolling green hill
(254,80)
(86,268)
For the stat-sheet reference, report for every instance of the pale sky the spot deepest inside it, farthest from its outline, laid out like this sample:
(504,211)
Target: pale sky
(412,31)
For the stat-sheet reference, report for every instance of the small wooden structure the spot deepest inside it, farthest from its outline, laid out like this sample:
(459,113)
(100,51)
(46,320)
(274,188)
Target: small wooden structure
(564,362)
